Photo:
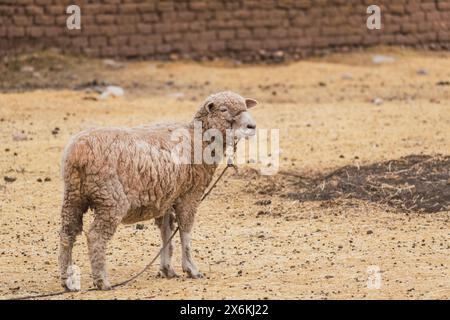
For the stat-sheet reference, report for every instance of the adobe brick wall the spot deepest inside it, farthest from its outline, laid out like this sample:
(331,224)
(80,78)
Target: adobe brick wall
(244,29)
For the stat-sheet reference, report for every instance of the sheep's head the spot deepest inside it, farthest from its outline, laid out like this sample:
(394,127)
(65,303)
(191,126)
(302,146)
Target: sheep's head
(228,111)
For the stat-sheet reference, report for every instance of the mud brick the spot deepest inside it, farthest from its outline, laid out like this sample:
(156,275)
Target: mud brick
(444,35)
(105,18)
(432,16)
(52,31)
(90,29)
(205,15)
(428,6)
(301,20)
(180,26)
(417,17)
(278,33)
(198,5)
(191,36)
(427,36)
(200,46)
(163,48)
(244,34)
(197,25)
(42,2)
(226,34)
(396,8)
(149,17)
(253,45)
(79,42)
(371,39)
(409,28)
(98,41)
(284,43)
(118,41)
(217,46)
(295,33)
(165,6)
(136,40)
(109,52)
(403,39)
(35,32)
(425,26)
(34,10)
(146,50)
(91,9)
(127,19)
(109,30)
(207,35)
(443,5)
(172,37)
(144,28)
(164,27)
(235,44)
(169,16)
(55,10)
(260,33)
(186,15)
(44,20)
(129,8)
(242,14)
(109,8)
(387,38)
(22,21)
(15,32)
(180,46)
(2,31)
(6,10)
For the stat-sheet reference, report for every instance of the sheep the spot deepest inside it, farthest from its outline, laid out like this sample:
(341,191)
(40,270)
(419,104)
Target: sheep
(127,175)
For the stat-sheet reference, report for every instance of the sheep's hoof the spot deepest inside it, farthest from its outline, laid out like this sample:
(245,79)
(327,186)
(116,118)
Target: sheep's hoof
(194,275)
(167,273)
(102,285)
(67,288)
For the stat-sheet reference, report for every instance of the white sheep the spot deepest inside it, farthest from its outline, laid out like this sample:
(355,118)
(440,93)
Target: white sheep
(128,175)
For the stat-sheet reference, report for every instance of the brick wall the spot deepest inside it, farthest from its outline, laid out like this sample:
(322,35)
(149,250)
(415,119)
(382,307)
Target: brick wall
(245,29)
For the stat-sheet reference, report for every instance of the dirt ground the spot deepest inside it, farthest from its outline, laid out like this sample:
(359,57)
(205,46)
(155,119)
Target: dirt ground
(256,237)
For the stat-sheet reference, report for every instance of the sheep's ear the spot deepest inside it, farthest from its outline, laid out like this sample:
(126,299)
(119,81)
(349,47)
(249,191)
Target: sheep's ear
(250,103)
(209,107)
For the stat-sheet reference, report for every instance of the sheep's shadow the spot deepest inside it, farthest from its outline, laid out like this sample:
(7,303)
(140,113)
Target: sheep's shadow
(413,183)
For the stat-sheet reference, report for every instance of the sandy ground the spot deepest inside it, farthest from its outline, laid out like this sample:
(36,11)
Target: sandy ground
(282,250)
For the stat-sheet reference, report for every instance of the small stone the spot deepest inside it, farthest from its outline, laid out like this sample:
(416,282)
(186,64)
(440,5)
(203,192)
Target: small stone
(19,136)
(9,179)
(377,101)
(347,76)
(443,83)
(379,59)
(422,72)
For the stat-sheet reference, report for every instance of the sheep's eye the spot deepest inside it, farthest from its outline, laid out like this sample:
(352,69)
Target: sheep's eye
(223,109)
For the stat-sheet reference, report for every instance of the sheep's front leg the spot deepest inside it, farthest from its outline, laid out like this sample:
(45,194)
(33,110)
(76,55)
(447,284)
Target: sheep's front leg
(187,261)
(185,210)
(166,227)
(105,223)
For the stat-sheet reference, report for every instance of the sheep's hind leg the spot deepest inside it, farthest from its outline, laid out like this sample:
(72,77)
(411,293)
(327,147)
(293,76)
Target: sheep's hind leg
(166,227)
(71,226)
(185,210)
(105,223)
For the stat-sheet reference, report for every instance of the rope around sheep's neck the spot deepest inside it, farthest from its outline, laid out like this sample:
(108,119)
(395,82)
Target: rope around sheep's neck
(120,284)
